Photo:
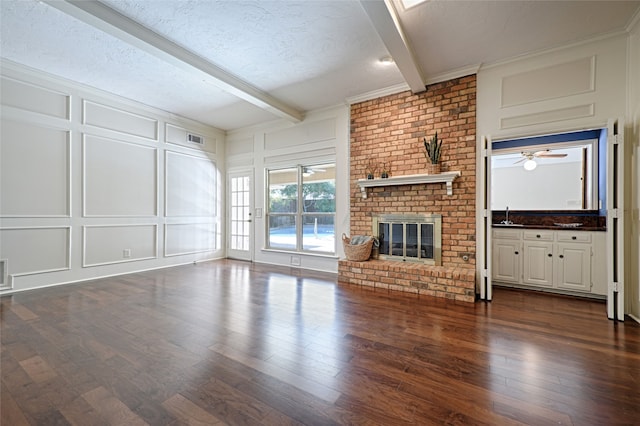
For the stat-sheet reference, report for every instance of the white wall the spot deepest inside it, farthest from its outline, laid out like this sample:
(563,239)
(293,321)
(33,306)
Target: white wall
(322,136)
(92,185)
(522,190)
(573,88)
(566,89)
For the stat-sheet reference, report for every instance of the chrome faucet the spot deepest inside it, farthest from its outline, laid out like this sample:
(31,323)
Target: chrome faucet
(506,220)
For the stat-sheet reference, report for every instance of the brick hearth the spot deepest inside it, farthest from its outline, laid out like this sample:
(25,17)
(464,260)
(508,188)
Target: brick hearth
(389,130)
(439,281)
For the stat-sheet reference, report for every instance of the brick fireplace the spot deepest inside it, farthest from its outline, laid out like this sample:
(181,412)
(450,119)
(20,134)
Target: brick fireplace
(388,131)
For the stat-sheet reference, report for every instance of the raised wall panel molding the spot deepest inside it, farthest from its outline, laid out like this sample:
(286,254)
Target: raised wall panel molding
(33,98)
(35,171)
(114,239)
(550,82)
(35,249)
(195,175)
(117,120)
(447,178)
(285,158)
(304,134)
(548,116)
(193,238)
(109,166)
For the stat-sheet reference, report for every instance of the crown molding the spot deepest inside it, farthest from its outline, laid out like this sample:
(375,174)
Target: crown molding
(379,93)
(457,73)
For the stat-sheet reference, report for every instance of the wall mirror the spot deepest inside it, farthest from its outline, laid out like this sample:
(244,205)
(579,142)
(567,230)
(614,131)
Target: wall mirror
(559,176)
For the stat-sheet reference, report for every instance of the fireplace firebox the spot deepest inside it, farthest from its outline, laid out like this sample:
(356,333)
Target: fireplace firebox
(413,238)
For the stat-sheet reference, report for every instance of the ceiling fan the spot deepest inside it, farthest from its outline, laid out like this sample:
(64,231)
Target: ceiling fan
(308,171)
(528,156)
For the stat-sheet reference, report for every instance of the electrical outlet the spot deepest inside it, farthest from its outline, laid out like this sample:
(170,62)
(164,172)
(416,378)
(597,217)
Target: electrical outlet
(126,253)
(295,260)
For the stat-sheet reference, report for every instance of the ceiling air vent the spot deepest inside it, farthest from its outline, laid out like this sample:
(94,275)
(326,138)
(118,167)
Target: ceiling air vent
(193,138)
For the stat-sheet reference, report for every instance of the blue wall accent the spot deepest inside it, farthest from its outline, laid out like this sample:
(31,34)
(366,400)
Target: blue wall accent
(543,140)
(602,172)
(600,134)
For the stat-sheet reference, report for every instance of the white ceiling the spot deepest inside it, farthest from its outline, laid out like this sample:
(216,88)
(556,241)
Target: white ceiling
(232,64)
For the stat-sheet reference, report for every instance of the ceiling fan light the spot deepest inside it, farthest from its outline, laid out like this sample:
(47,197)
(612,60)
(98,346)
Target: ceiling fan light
(530,165)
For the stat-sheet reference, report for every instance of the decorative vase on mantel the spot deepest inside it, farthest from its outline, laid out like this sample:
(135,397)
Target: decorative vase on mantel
(433,169)
(432,151)
(385,171)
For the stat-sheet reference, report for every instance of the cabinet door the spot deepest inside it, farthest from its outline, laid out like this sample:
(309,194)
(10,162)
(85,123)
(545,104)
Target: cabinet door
(538,263)
(574,267)
(506,261)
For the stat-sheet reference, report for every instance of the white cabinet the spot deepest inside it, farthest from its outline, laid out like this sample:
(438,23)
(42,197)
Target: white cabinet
(561,260)
(506,260)
(538,263)
(573,266)
(538,258)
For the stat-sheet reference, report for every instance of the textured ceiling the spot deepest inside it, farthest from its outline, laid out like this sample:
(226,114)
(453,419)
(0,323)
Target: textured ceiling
(305,54)
(481,32)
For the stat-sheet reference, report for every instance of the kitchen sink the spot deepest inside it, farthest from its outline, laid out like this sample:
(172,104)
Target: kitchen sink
(506,225)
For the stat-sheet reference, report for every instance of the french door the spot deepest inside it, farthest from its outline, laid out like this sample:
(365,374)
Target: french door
(240,220)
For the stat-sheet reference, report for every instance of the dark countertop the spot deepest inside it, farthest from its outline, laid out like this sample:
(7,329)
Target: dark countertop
(551,227)
(590,220)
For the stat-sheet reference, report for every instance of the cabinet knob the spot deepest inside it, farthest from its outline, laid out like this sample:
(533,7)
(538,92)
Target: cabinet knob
(574,237)
(561,256)
(550,255)
(517,253)
(538,236)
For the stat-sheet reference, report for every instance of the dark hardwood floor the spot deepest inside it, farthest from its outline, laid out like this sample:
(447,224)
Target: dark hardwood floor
(229,342)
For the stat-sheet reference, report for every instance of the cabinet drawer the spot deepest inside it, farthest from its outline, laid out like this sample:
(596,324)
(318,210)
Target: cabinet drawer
(507,234)
(536,235)
(576,237)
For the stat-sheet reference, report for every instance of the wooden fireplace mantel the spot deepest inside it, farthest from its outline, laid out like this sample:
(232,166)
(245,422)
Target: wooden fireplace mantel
(445,177)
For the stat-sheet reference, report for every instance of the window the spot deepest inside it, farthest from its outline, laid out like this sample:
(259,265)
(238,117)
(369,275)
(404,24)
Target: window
(563,175)
(301,208)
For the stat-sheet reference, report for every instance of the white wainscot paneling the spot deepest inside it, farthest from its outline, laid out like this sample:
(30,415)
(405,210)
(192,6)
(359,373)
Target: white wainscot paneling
(120,178)
(34,171)
(118,120)
(239,146)
(119,243)
(317,131)
(32,250)
(33,98)
(555,81)
(189,238)
(239,153)
(179,136)
(190,185)
(550,115)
